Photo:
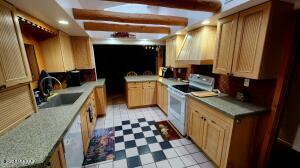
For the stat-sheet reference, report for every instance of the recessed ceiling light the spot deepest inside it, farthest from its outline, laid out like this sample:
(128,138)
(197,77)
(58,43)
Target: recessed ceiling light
(205,22)
(63,22)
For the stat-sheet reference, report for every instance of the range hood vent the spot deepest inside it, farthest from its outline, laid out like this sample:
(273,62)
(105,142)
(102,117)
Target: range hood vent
(198,46)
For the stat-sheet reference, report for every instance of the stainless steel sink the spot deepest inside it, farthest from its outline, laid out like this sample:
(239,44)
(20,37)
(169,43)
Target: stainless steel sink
(61,100)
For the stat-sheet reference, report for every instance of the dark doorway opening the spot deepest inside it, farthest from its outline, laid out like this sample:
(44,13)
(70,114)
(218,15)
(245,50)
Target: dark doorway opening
(113,62)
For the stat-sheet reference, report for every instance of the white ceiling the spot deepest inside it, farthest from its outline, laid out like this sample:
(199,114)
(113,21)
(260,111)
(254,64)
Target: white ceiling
(50,11)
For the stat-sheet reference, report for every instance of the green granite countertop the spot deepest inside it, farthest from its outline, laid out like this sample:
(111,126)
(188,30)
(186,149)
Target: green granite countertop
(147,78)
(230,106)
(36,137)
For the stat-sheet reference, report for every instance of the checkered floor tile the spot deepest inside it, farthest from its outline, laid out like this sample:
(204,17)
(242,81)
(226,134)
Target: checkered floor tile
(139,144)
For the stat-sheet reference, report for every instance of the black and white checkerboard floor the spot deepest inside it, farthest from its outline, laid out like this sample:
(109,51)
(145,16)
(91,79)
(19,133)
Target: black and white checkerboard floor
(139,144)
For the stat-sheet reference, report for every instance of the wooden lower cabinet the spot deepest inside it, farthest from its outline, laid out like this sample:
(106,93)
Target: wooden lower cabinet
(141,94)
(134,97)
(162,97)
(84,128)
(196,123)
(57,159)
(227,142)
(100,98)
(165,98)
(213,139)
(149,93)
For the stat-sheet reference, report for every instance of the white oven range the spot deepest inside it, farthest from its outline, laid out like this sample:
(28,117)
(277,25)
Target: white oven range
(177,99)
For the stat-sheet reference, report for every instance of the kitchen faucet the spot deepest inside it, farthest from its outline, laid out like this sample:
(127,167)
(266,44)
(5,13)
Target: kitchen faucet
(41,85)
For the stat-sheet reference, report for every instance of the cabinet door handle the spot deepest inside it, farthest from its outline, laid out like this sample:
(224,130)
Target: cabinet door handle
(2,87)
(196,111)
(213,121)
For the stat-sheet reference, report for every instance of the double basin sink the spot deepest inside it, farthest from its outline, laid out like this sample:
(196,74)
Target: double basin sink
(61,100)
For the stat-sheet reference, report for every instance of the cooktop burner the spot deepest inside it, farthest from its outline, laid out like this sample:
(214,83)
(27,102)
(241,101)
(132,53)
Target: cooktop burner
(187,88)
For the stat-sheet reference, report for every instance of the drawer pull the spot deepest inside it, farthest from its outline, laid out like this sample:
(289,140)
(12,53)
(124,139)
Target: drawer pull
(197,112)
(213,122)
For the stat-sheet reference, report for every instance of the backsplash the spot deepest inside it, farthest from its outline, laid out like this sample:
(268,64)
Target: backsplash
(260,91)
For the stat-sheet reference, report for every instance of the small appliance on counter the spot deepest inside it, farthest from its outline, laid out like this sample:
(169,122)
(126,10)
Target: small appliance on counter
(74,79)
(166,72)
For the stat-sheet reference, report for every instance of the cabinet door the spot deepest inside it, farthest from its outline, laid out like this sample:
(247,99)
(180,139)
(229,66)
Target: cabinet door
(51,53)
(226,33)
(159,95)
(149,95)
(84,129)
(135,97)
(100,98)
(83,53)
(57,159)
(196,126)
(15,105)
(250,39)
(66,51)
(169,49)
(165,98)
(14,67)
(213,139)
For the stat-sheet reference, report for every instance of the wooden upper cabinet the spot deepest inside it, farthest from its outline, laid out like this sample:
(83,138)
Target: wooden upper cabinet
(173,46)
(226,33)
(57,53)
(14,67)
(198,46)
(250,41)
(66,51)
(83,52)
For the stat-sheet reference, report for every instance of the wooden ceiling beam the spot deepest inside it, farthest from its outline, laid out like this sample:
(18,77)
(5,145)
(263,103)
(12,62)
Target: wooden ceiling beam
(87,14)
(196,5)
(96,26)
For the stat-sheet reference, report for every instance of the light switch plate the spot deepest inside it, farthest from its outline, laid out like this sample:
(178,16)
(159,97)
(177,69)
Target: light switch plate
(246,82)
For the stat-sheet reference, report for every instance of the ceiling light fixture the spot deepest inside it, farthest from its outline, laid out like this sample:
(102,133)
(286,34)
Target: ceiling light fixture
(63,22)
(205,22)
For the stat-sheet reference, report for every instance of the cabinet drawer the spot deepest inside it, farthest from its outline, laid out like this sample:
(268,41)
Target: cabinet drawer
(206,110)
(149,84)
(135,85)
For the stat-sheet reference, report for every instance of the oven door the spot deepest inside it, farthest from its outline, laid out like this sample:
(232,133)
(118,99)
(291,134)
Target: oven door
(176,112)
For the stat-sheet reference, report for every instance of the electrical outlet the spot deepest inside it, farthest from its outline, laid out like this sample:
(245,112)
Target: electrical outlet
(246,82)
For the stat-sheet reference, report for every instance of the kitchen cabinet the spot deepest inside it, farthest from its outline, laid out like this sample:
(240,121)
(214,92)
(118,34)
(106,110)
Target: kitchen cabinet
(226,141)
(196,126)
(225,44)
(57,53)
(249,42)
(57,159)
(84,128)
(83,52)
(173,46)
(214,138)
(141,94)
(162,97)
(14,66)
(134,94)
(16,104)
(149,93)
(198,46)
(100,98)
